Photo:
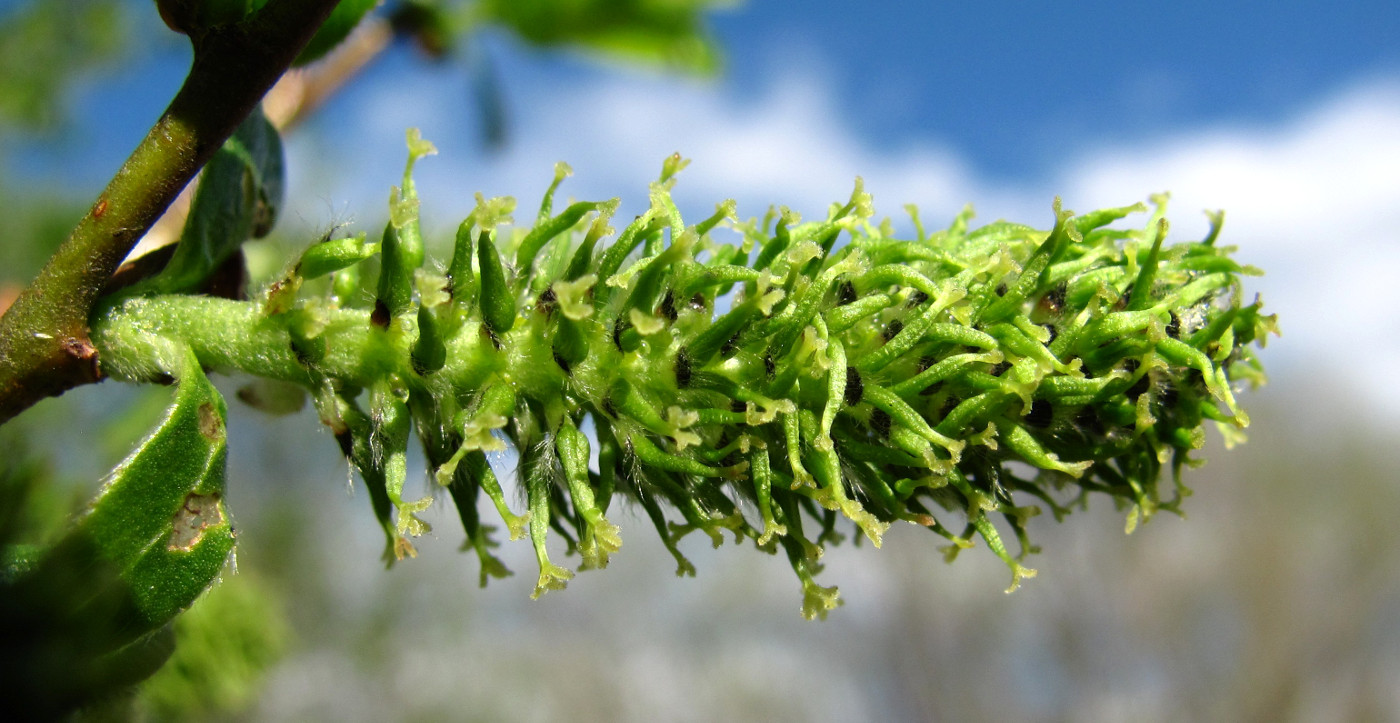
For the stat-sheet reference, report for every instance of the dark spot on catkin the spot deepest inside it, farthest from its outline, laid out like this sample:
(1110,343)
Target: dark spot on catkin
(545,303)
(308,351)
(682,369)
(697,302)
(1174,326)
(346,442)
(892,330)
(413,361)
(917,298)
(1167,394)
(845,293)
(855,388)
(380,316)
(1041,414)
(619,326)
(1139,387)
(668,306)
(770,367)
(1053,302)
(487,332)
(730,346)
(1122,302)
(1001,289)
(880,422)
(1088,421)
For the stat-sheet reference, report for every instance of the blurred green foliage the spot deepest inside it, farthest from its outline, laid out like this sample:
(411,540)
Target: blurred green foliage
(88,617)
(231,636)
(342,21)
(35,225)
(44,47)
(667,33)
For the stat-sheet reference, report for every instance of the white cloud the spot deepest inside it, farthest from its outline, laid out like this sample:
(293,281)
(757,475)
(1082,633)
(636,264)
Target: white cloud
(1330,175)
(1315,200)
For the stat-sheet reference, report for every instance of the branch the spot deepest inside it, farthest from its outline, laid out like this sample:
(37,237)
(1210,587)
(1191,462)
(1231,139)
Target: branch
(44,345)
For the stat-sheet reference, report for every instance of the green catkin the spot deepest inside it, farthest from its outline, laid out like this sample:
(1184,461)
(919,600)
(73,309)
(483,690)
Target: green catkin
(429,352)
(333,255)
(394,293)
(345,286)
(461,281)
(855,380)
(497,301)
(352,430)
(548,229)
(600,537)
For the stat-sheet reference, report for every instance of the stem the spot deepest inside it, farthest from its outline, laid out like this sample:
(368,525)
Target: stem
(44,345)
(237,336)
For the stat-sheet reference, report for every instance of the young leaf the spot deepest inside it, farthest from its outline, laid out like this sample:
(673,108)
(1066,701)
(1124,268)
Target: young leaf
(343,19)
(160,520)
(238,197)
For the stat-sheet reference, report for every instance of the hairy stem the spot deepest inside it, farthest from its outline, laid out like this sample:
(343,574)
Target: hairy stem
(44,345)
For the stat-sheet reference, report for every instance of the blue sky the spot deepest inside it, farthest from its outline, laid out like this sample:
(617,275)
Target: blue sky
(1017,89)
(1287,117)
(1020,86)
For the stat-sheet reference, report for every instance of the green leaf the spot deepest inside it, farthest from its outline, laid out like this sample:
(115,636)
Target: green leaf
(89,617)
(343,19)
(239,195)
(227,641)
(661,33)
(161,519)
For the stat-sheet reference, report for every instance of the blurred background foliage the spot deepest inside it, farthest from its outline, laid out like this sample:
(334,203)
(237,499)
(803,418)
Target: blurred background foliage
(1275,600)
(46,46)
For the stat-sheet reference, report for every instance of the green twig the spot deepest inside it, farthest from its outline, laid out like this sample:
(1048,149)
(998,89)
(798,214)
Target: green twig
(44,345)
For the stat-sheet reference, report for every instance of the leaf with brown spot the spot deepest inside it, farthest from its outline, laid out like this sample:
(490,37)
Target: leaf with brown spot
(160,520)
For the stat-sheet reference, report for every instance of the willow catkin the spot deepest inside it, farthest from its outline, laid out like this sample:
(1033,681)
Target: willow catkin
(807,376)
